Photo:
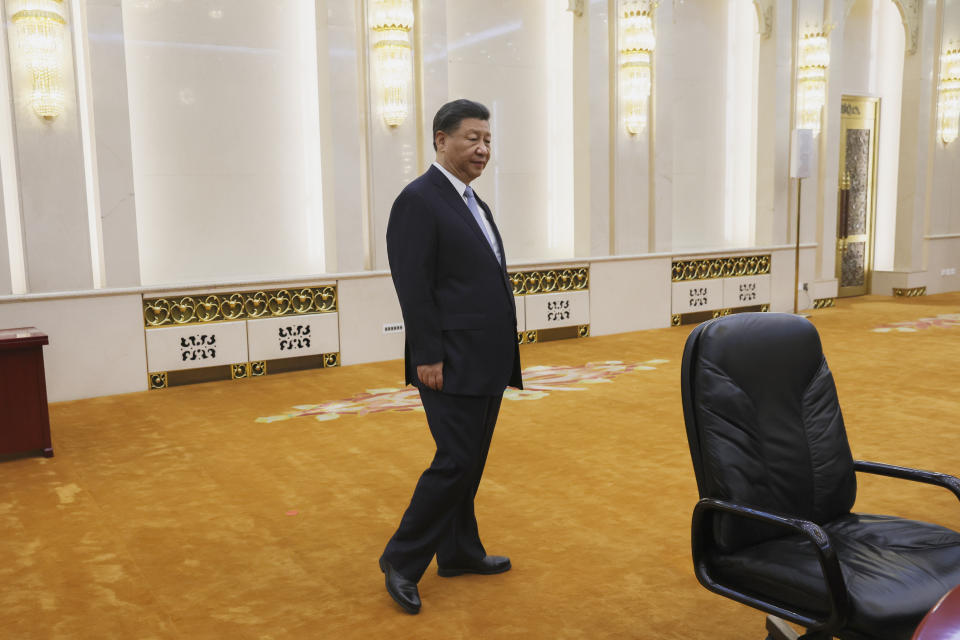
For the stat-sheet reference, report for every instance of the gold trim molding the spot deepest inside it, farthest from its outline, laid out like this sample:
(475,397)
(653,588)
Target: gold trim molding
(531,282)
(824,303)
(710,268)
(219,307)
(527,337)
(696,317)
(910,293)
(238,371)
(158,380)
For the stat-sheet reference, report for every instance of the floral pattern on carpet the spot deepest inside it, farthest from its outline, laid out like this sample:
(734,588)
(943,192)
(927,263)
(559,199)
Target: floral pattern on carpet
(538,383)
(943,320)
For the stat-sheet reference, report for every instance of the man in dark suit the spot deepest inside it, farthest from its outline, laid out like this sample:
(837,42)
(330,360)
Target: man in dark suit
(450,273)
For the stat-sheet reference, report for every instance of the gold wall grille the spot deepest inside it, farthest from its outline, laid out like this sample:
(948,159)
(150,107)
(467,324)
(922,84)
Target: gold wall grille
(709,268)
(241,370)
(696,317)
(550,281)
(910,293)
(824,303)
(218,307)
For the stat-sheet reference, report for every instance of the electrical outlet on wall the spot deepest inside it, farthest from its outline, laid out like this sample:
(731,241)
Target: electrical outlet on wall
(392,327)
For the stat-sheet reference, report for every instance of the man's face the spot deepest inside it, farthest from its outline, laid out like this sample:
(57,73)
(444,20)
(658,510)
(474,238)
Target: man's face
(466,151)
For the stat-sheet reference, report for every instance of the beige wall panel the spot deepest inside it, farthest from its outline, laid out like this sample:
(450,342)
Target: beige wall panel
(96,344)
(696,296)
(629,295)
(782,270)
(943,264)
(366,304)
(564,309)
(521,313)
(882,283)
(293,336)
(746,291)
(196,346)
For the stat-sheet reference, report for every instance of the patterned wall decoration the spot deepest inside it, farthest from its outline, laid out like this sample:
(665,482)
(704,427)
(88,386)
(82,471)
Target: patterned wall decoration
(550,281)
(202,308)
(709,268)
(858,170)
(765,10)
(852,272)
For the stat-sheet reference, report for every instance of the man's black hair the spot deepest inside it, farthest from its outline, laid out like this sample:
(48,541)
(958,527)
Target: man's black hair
(450,115)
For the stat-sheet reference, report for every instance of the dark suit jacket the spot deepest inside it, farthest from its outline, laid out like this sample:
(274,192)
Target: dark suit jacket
(456,299)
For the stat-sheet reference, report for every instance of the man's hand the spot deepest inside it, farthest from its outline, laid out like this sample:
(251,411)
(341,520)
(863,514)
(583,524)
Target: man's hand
(431,375)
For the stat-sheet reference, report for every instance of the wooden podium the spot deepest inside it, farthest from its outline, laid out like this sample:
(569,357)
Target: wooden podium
(24,423)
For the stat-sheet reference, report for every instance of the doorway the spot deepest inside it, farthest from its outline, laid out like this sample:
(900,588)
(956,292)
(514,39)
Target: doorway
(856,202)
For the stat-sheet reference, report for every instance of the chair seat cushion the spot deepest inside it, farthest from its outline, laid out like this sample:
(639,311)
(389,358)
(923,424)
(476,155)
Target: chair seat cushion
(895,571)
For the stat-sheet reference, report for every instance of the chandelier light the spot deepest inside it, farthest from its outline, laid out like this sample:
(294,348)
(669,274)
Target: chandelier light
(812,63)
(40,30)
(949,96)
(637,44)
(391,22)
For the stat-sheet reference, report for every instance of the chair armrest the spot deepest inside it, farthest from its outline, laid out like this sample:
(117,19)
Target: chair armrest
(906,473)
(702,539)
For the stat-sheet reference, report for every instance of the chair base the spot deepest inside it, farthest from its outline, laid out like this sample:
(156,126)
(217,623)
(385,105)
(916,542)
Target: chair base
(777,629)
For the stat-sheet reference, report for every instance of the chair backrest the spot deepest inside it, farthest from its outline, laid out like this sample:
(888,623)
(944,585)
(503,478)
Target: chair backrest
(764,423)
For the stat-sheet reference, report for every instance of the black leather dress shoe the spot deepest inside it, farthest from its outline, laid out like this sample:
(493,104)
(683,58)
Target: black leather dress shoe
(403,591)
(488,566)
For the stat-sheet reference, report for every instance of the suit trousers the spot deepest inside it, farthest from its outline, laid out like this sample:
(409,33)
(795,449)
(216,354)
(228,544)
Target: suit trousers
(440,519)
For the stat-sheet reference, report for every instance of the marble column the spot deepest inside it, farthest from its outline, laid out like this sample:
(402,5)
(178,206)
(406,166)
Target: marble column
(433,85)
(392,151)
(774,123)
(631,166)
(49,156)
(917,131)
(599,92)
(6,279)
(343,134)
(113,154)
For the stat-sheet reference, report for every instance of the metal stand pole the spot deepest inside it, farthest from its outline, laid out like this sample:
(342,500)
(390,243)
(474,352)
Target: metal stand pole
(796,268)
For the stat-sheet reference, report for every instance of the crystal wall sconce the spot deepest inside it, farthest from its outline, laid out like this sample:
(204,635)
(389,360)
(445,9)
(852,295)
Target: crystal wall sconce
(948,98)
(41,35)
(391,22)
(637,44)
(812,61)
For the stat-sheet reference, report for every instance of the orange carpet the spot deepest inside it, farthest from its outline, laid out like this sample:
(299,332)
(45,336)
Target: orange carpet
(177,514)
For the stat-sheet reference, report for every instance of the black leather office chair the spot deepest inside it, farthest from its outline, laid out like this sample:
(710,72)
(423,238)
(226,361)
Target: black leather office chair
(773,527)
